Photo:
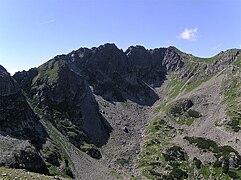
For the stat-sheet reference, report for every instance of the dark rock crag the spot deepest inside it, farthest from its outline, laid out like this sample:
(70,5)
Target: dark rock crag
(18,120)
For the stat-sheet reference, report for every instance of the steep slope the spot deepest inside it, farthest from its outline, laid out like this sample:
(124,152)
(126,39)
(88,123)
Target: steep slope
(65,96)
(158,113)
(19,121)
(190,135)
(111,74)
(30,141)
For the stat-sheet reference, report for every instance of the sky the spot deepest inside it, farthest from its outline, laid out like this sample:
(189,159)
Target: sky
(34,31)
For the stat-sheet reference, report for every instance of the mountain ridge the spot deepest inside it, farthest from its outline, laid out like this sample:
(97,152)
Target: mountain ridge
(103,101)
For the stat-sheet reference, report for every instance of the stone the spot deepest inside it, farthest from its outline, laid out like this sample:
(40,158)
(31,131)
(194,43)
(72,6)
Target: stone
(125,129)
(94,153)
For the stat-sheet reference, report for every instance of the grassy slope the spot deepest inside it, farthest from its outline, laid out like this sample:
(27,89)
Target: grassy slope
(232,95)
(157,141)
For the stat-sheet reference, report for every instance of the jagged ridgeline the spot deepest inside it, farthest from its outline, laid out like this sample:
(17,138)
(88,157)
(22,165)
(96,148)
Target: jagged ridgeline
(106,113)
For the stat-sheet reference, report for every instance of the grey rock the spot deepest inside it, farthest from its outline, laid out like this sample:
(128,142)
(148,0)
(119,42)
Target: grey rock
(93,152)
(7,85)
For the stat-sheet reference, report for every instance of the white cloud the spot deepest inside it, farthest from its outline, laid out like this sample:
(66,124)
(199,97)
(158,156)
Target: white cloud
(189,34)
(240,46)
(216,47)
(47,22)
(168,42)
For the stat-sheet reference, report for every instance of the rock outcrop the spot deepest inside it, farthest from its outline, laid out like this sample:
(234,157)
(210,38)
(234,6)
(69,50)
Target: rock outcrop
(18,120)
(7,85)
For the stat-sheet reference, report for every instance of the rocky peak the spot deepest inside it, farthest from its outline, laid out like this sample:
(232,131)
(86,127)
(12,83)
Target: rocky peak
(97,59)
(223,60)
(66,98)
(137,48)
(139,56)
(108,46)
(25,78)
(57,84)
(172,60)
(7,85)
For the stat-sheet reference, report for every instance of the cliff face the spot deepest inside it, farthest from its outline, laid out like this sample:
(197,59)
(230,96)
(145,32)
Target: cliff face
(18,120)
(7,85)
(66,96)
(112,74)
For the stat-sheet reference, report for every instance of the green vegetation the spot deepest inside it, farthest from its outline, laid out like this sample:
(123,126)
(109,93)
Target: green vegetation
(202,143)
(125,104)
(195,73)
(234,123)
(122,161)
(49,71)
(172,162)
(84,147)
(4,146)
(206,60)
(212,146)
(224,155)
(54,156)
(181,112)
(54,171)
(193,114)
(62,146)
(195,59)
(158,108)
(115,174)
(231,89)
(189,121)
(176,85)
(196,82)
(152,161)
(74,134)
(160,159)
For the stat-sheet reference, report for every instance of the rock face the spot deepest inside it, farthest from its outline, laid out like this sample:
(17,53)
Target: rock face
(25,78)
(17,118)
(113,74)
(222,60)
(19,121)
(61,86)
(7,85)
(29,159)
(65,94)
(64,85)
(120,81)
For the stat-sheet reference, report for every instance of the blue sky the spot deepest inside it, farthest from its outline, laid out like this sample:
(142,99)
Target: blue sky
(33,31)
